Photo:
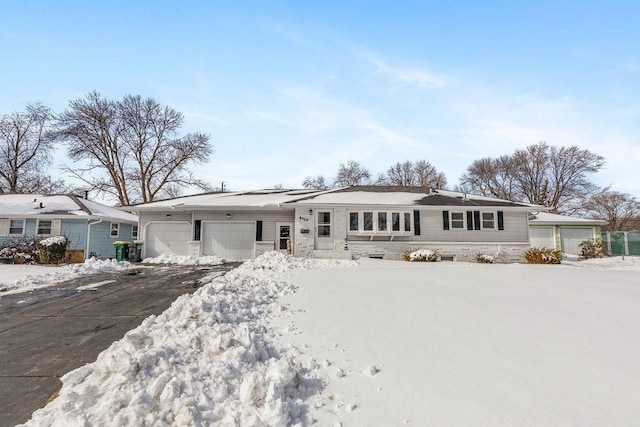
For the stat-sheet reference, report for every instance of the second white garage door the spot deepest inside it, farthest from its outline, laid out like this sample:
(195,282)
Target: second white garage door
(166,238)
(232,241)
(572,237)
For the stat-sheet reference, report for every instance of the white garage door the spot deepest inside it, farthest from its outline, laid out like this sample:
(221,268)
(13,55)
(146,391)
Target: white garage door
(167,238)
(542,237)
(232,241)
(572,237)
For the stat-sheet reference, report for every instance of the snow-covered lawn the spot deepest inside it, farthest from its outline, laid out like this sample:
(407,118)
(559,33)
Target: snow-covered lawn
(283,341)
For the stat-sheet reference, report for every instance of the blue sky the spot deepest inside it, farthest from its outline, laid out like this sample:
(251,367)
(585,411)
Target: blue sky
(289,90)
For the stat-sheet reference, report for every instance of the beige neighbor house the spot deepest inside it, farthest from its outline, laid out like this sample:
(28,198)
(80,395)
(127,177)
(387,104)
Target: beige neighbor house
(359,221)
(562,232)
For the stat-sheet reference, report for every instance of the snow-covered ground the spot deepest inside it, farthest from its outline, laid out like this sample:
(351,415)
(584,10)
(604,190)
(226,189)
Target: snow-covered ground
(282,341)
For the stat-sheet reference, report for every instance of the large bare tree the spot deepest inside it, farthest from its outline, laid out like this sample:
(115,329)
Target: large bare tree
(25,152)
(352,174)
(316,182)
(622,210)
(413,174)
(132,147)
(555,177)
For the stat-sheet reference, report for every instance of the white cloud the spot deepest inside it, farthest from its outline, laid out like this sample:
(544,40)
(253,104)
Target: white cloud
(404,75)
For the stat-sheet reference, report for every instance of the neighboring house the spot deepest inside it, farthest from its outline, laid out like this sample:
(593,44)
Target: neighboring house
(373,221)
(90,226)
(562,232)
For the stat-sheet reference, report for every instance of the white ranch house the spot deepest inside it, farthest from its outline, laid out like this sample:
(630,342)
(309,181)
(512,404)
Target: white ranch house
(350,222)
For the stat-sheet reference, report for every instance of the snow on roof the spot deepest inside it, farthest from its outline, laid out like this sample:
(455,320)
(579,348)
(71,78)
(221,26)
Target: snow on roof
(256,199)
(61,205)
(550,218)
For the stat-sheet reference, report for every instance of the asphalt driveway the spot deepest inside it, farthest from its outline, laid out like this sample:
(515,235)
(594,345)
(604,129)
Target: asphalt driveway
(49,332)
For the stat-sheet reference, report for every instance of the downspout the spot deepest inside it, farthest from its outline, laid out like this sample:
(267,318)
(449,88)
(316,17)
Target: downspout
(89,224)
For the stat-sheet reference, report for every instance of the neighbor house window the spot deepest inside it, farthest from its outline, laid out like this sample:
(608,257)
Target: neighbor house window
(114,231)
(134,232)
(44,227)
(353,221)
(16,226)
(324,224)
(488,221)
(457,220)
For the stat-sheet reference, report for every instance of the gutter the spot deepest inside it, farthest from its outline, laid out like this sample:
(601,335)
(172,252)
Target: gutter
(89,224)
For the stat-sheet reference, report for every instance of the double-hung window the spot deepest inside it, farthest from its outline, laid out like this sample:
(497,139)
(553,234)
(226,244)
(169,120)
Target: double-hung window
(16,227)
(114,230)
(134,232)
(44,227)
(488,221)
(457,221)
(384,222)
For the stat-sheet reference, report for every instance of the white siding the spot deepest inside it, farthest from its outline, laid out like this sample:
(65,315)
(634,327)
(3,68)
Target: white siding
(515,229)
(268,218)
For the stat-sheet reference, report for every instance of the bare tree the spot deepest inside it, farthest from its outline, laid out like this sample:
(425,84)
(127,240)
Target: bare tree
(621,210)
(413,174)
(318,183)
(25,151)
(551,176)
(132,147)
(352,174)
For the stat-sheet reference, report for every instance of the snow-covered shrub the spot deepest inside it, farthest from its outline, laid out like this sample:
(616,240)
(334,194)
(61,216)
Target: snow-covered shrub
(485,258)
(52,249)
(543,256)
(22,250)
(592,248)
(421,255)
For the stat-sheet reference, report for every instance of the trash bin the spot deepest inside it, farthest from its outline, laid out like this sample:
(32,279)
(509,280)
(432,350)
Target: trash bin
(121,250)
(135,252)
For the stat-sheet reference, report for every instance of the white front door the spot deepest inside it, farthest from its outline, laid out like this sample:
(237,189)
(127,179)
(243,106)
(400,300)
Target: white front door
(324,229)
(284,237)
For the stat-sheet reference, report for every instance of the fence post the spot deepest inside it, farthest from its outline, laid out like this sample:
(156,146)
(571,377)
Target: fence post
(626,243)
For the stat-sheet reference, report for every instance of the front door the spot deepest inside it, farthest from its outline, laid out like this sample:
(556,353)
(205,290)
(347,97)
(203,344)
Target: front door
(324,229)
(284,237)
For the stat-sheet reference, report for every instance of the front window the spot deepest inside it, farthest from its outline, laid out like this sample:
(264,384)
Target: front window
(457,220)
(382,221)
(407,221)
(353,221)
(395,221)
(488,220)
(44,227)
(16,226)
(324,224)
(114,231)
(368,221)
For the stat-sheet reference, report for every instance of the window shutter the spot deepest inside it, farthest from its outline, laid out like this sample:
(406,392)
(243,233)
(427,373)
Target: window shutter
(500,220)
(4,226)
(258,231)
(56,226)
(469,220)
(416,223)
(476,220)
(445,220)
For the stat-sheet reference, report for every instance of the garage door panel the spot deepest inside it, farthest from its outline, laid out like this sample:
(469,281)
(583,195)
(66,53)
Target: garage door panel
(233,241)
(542,237)
(167,238)
(572,237)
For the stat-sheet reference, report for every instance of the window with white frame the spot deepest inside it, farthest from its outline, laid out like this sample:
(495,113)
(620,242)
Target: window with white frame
(44,227)
(390,222)
(488,221)
(16,227)
(114,230)
(457,220)
(324,224)
(134,232)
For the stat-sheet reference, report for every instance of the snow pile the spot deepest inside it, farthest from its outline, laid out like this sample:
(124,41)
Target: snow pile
(57,274)
(184,260)
(277,262)
(423,255)
(626,263)
(208,359)
(486,259)
(54,240)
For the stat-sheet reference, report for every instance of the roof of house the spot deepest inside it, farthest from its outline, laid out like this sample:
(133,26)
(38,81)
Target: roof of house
(546,218)
(350,196)
(268,198)
(26,205)
(412,196)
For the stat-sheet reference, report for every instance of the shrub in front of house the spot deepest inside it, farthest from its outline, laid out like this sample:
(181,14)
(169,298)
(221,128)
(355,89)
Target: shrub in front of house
(543,256)
(485,258)
(52,249)
(20,250)
(421,255)
(592,248)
